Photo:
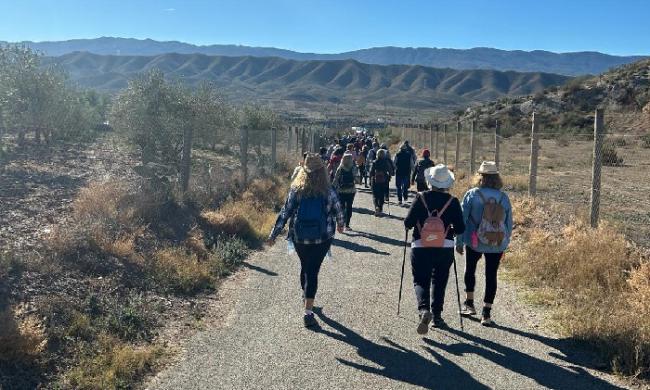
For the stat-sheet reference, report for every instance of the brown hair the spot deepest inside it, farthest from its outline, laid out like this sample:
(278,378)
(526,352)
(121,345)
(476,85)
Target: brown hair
(488,181)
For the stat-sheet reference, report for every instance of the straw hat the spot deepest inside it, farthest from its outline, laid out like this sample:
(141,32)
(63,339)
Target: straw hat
(313,162)
(439,177)
(488,168)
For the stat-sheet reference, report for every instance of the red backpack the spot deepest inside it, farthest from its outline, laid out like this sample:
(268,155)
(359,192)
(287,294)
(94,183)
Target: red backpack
(433,232)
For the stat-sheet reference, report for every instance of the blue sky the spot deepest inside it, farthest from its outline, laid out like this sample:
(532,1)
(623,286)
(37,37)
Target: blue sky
(616,27)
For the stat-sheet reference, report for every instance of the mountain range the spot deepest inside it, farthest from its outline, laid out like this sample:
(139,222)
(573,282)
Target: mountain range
(342,81)
(572,64)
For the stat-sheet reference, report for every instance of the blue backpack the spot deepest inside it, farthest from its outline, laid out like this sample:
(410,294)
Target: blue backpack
(311,219)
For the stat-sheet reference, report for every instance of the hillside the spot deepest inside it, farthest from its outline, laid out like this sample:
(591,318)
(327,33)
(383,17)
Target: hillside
(572,64)
(351,82)
(624,92)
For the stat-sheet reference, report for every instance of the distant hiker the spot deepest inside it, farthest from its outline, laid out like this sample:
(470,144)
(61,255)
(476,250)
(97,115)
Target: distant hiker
(323,154)
(379,176)
(403,164)
(361,165)
(372,156)
(437,217)
(352,151)
(410,149)
(418,173)
(344,183)
(314,213)
(335,161)
(488,215)
(298,168)
(391,172)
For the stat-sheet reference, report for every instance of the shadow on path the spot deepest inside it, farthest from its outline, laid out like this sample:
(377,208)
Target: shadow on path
(398,363)
(355,247)
(378,238)
(259,269)
(544,373)
(372,212)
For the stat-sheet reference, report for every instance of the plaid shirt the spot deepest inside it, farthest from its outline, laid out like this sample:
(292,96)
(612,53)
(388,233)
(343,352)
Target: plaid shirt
(288,213)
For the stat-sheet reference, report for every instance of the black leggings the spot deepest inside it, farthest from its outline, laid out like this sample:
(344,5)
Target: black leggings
(492,261)
(378,195)
(311,257)
(346,202)
(430,268)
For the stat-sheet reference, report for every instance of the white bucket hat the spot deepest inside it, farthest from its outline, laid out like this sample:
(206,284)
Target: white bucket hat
(439,177)
(488,168)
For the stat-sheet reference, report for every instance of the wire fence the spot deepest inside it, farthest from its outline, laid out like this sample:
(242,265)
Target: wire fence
(604,180)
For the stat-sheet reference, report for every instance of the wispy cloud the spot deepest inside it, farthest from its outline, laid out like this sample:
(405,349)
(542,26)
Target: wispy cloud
(169,9)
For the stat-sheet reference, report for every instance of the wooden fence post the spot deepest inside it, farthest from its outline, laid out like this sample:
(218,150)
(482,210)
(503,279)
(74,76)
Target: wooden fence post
(274,149)
(437,147)
(444,143)
(297,133)
(597,167)
(472,148)
(457,157)
(497,143)
(534,154)
(430,137)
(243,154)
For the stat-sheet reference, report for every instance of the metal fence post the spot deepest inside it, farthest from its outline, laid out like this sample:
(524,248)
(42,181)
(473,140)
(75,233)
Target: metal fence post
(288,141)
(444,143)
(437,141)
(472,148)
(457,157)
(534,154)
(274,149)
(243,154)
(431,136)
(497,143)
(297,133)
(597,167)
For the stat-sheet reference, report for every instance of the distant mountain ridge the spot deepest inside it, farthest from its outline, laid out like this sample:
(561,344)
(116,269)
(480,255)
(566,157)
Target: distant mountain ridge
(348,81)
(572,64)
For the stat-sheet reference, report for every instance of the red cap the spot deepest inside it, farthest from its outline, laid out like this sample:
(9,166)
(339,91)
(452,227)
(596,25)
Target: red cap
(426,153)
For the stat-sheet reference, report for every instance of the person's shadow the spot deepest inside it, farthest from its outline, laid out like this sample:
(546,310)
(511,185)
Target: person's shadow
(398,363)
(359,248)
(544,373)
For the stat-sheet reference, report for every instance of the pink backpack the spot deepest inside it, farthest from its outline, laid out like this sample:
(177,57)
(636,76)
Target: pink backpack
(433,232)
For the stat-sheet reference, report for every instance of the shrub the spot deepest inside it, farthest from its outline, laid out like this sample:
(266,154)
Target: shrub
(113,365)
(562,140)
(645,141)
(245,219)
(174,269)
(610,156)
(21,340)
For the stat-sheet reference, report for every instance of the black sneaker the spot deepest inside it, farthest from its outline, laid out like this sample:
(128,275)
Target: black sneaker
(486,317)
(438,322)
(310,321)
(468,310)
(425,319)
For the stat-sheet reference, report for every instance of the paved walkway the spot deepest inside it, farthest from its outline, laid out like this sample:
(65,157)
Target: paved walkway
(260,342)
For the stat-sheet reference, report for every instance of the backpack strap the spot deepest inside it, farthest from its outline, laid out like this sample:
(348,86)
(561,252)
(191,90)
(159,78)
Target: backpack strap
(424,201)
(444,208)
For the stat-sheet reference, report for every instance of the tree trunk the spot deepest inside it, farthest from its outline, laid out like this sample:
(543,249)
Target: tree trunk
(186,160)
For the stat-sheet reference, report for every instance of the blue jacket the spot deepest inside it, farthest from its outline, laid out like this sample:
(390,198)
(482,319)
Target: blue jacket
(472,206)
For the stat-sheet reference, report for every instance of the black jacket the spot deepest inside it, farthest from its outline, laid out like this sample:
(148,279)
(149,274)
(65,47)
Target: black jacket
(422,166)
(380,164)
(403,163)
(436,200)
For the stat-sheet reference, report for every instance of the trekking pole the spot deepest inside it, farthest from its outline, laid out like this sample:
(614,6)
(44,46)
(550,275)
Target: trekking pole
(401,282)
(458,295)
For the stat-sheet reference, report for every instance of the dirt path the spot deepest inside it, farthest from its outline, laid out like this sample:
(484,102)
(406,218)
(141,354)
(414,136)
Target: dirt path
(261,344)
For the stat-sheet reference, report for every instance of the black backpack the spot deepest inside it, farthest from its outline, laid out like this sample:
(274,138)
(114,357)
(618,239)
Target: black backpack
(346,180)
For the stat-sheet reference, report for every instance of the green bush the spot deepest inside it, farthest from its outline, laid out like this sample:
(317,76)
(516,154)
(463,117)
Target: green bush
(610,156)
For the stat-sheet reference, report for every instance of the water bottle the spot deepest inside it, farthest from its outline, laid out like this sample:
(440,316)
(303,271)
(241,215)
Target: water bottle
(329,254)
(291,249)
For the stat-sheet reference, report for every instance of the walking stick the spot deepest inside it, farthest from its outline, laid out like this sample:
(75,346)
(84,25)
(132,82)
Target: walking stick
(399,298)
(458,295)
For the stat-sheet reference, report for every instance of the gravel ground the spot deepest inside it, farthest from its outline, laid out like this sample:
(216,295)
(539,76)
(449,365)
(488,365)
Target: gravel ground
(260,342)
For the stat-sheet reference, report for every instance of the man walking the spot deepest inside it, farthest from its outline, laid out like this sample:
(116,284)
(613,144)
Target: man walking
(403,163)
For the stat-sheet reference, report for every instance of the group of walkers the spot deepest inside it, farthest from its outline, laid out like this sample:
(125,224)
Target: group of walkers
(320,201)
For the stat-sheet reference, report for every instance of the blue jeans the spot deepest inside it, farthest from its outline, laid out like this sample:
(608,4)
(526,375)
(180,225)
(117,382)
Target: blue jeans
(403,183)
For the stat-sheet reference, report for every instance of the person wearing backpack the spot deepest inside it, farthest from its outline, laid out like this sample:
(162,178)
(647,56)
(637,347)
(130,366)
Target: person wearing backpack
(371,157)
(314,214)
(418,173)
(344,184)
(487,212)
(361,165)
(403,165)
(379,176)
(436,217)
(335,161)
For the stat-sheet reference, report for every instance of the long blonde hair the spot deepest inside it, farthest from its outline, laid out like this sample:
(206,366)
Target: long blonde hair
(316,183)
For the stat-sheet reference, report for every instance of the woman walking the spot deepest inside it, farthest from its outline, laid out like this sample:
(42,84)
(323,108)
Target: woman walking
(488,214)
(314,213)
(418,173)
(379,177)
(437,217)
(344,184)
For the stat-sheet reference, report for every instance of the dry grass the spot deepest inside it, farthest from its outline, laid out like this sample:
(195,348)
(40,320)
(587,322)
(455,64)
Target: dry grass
(599,282)
(115,365)
(175,269)
(21,340)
